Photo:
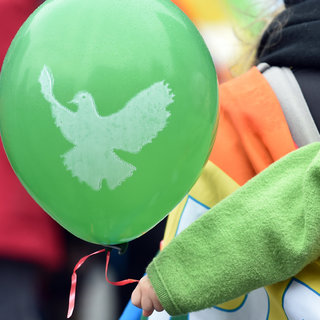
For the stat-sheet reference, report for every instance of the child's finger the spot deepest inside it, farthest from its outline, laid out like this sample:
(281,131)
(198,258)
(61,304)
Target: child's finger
(136,297)
(157,305)
(147,306)
(147,313)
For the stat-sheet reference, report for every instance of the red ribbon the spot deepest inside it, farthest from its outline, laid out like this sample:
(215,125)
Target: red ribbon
(117,283)
(72,296)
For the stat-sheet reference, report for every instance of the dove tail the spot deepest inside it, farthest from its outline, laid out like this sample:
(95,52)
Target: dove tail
(46,81)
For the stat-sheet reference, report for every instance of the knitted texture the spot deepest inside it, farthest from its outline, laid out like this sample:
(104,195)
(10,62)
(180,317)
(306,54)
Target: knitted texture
(265,232)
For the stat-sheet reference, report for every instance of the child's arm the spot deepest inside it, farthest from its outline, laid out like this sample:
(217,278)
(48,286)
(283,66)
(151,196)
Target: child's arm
(265,232)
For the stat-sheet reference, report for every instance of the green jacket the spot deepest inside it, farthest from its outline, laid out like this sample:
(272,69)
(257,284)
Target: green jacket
(255,237)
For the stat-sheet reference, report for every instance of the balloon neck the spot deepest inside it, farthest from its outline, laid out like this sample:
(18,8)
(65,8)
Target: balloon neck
(122,248)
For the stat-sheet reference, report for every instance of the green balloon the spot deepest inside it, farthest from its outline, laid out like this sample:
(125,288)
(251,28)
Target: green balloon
(108,112)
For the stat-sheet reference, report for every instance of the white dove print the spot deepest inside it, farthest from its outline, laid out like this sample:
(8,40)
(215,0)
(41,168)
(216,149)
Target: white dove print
(92,159)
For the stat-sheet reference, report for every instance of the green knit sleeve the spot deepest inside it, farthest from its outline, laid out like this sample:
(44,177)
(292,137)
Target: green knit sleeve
(265,232)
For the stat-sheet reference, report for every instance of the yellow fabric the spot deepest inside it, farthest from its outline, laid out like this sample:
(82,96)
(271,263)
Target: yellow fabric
(202,191)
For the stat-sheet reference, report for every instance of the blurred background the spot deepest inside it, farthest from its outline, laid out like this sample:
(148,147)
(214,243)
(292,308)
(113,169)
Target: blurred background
(36,287)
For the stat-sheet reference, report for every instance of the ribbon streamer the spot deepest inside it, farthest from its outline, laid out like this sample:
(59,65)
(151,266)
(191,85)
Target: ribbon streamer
(117,283)
(72,296)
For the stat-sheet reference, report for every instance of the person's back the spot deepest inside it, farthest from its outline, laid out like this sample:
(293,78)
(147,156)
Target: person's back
(265,233)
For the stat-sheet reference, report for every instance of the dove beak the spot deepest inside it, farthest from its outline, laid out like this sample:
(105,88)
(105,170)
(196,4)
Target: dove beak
(73,101)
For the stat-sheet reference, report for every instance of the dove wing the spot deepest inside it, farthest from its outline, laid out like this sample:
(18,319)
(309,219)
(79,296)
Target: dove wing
(142,118)
(65,119)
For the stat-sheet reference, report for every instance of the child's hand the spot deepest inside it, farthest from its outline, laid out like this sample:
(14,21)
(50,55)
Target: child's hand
(144,297)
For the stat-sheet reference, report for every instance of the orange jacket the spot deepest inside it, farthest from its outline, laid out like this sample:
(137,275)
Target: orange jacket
(252,132)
